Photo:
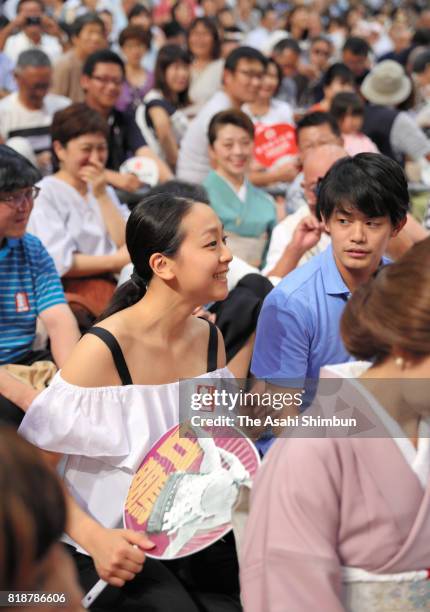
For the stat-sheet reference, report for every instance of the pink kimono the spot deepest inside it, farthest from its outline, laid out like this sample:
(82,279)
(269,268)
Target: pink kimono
(325,509)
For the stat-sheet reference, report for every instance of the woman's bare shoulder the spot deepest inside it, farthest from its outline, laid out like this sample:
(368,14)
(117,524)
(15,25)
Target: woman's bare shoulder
(90,364)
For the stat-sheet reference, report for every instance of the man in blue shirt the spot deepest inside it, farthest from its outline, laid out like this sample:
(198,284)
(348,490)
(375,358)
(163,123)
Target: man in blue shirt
(29,287)
(363,202)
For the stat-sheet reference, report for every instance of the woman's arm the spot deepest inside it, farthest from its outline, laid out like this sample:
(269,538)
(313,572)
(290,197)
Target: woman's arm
(94,174)
(118,554)
(164,132)
(290,548)
(114,221)
(221,356)
(90,265)
(62,329)
(285,172)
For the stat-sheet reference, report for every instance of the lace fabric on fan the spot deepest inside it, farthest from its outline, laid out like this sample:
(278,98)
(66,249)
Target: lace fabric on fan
(192,502)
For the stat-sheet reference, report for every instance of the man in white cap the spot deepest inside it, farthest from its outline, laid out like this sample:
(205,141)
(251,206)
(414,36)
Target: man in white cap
(394,132)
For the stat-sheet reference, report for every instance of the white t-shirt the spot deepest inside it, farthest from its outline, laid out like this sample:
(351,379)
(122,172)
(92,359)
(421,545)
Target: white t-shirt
(282,235)
(20,42)
(279,112)
(17,120)
(68,223)
(193,160)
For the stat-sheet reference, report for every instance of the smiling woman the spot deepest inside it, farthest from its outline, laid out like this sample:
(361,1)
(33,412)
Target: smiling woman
(78,217)
(248,213)
(160,117)
(127,369)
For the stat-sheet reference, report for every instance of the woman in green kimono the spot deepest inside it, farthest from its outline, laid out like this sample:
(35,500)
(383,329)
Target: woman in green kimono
(248,213)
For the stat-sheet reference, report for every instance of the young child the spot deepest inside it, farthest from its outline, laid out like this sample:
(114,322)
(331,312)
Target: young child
(348,110)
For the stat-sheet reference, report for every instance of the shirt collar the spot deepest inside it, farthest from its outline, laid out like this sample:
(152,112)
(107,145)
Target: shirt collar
(9,244)
(332,279)
(242,191)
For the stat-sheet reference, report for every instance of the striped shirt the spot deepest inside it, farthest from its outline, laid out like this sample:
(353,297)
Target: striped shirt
(29,284)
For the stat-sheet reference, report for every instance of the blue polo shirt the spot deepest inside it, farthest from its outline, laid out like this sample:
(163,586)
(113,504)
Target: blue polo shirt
(29,284)
(298,327)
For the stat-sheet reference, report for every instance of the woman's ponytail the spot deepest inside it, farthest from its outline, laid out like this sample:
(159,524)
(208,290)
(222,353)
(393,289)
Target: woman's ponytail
(126,295)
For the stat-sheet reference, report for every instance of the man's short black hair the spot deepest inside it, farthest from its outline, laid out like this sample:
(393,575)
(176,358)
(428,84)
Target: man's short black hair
(80,22)
(138,9)
(357,46)
(16,172)
(286,43)
(172,29)
(421,62)
(249,53)
(340,72)
(421,37)
(105,56)
(315,119)
(372,183)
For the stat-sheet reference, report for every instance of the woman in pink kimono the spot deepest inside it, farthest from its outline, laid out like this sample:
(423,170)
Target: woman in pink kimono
(340,519)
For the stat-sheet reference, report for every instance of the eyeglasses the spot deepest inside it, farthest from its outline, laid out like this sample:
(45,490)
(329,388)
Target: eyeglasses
(107,80)
(250,74)
(15,200)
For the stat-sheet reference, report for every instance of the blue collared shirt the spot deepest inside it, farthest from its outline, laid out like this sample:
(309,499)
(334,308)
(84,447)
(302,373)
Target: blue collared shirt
(29,284)
(298,327)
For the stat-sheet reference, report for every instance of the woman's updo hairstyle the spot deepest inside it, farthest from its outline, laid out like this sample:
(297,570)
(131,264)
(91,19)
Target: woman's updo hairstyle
(154,226)
(391,310)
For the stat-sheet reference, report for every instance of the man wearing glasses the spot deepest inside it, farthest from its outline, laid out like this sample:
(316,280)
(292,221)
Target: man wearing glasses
(29,288)
(102,78)
(243,71)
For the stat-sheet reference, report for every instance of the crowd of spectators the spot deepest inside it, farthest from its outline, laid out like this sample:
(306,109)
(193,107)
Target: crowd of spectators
(251,164)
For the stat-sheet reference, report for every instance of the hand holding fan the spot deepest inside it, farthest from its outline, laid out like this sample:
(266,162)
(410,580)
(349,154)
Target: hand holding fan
(184,491)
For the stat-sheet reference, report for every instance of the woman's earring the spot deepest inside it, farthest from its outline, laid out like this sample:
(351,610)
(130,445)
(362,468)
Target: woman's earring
(400,362)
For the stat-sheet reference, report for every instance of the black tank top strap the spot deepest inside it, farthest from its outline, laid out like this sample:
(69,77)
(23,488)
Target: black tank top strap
(212,347)
(117,354)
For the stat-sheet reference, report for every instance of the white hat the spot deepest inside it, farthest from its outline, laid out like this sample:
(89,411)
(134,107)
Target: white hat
(386,84)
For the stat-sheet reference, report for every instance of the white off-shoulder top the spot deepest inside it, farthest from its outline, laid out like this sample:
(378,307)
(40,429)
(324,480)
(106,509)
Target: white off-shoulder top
(105,433)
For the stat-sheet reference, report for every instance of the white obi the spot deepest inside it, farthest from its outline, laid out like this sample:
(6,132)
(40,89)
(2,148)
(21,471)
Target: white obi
(367,592)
